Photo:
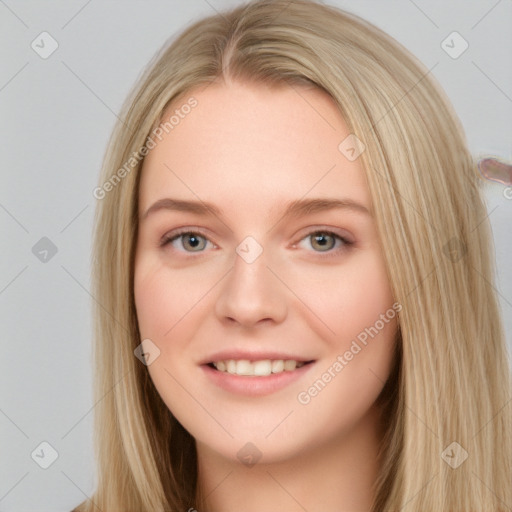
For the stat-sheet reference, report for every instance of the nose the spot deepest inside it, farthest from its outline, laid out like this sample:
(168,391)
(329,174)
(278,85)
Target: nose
(251,294)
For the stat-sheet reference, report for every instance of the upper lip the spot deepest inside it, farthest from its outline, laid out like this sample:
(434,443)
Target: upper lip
(238,354)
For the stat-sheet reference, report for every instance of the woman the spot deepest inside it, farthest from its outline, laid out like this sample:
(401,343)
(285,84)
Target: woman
(293,275)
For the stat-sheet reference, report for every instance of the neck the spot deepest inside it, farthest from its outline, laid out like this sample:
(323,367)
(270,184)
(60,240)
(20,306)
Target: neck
(337,476)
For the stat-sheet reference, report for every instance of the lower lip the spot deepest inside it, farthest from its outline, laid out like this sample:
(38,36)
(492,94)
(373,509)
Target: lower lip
(254,386)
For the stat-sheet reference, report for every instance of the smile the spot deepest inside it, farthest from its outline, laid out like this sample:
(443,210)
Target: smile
(255,378)
(260,368)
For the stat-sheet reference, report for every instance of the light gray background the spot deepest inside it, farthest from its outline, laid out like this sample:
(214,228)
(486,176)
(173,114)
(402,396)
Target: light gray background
(56,116)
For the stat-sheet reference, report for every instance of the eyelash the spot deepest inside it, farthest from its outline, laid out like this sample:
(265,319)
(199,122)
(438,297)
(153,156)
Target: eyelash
(346,244)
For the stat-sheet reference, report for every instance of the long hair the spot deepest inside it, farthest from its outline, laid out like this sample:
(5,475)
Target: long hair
(447,445)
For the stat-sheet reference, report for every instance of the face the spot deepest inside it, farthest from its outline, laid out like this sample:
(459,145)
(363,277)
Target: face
(259,276)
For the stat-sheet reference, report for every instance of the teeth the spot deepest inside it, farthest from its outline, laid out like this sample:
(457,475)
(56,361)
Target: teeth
(277,366)
(231,366)
(257,368)
(262,368)
(243,367)
(290,365)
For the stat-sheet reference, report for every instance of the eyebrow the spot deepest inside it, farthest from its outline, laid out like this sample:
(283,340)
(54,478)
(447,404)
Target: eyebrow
(296,208)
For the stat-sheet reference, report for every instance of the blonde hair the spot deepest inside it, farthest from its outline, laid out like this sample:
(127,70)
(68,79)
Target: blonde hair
(452,380)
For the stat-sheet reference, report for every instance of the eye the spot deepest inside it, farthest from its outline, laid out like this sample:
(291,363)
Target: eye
(186,241)
(325,241)
(322,241)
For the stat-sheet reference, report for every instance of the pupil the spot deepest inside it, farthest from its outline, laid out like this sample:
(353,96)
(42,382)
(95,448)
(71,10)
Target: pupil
(193,241)
(322,240)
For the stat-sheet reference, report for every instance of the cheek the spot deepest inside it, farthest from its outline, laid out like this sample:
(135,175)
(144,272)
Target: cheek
(349,298)
(359,309)
(365,297)
(163,299)
(155,306)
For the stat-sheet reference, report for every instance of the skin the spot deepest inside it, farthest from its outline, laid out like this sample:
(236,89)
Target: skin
(249,149)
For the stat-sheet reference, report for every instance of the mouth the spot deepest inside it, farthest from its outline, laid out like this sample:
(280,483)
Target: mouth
(258,368)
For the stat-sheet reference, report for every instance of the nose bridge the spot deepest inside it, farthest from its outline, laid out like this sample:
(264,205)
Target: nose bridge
(251,275)
(251,292)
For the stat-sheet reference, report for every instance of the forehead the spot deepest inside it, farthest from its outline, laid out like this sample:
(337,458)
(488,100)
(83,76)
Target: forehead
(254,147)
